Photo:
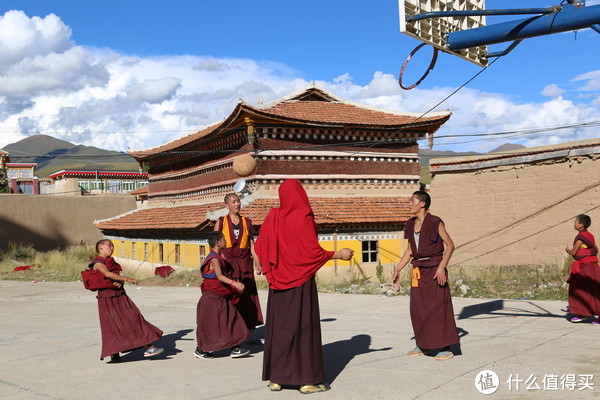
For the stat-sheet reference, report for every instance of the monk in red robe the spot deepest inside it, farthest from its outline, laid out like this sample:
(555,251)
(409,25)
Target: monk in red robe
(584,280)
(290,254)
(219,324)
(431,310)
(121,322)
(239,253)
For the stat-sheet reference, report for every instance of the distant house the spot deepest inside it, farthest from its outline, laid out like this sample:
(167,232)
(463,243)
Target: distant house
(4,158)
(517,207)
(358,164)
(97,182)
(21,178)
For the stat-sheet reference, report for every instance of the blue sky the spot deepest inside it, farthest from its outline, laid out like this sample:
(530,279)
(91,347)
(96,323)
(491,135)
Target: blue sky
(135,74)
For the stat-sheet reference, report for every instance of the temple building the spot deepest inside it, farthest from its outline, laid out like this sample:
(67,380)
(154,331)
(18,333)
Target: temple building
(358,164)
(78,182)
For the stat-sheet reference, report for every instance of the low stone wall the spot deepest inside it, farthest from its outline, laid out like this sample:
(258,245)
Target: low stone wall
(517,214)
(51,221)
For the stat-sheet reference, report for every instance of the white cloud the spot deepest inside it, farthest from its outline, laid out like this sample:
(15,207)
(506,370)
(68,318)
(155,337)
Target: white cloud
(22,37)
(154,91)
(98,97)
(552,90)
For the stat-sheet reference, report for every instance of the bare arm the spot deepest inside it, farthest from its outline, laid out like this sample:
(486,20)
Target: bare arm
(575,248)
(214,264)
(440,274)
(403,261)
(257,266)
(112,276)
(343,254)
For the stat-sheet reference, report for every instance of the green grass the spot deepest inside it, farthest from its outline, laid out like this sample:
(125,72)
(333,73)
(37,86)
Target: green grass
(536,282)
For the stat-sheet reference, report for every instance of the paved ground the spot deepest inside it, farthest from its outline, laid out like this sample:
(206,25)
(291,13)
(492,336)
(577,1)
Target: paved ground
(50,346)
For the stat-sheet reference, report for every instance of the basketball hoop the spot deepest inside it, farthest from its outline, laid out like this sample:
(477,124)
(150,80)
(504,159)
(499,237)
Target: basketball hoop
(431,65)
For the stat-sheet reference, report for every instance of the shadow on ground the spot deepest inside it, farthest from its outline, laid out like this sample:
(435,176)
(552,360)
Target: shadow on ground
(499,308)
(337,355)
(168,342)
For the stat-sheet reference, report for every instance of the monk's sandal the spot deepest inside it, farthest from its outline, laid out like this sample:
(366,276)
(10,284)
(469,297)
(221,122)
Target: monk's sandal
(444,355)
(308,389)
(415,352)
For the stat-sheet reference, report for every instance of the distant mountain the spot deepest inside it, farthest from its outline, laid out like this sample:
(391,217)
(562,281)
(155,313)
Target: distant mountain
(52,155)
(425,155)
(508,147)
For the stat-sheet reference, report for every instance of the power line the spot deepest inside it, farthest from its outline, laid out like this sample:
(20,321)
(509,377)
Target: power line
(481,136)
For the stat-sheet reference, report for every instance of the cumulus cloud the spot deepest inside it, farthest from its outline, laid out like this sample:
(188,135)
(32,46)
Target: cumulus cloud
(154,91)
(97,97)
(22,37)
(552,90)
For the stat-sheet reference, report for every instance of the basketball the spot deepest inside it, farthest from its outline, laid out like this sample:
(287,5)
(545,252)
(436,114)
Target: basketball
(244,165)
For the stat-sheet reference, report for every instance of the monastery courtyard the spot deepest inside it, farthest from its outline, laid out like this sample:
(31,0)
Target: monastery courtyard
(50,347)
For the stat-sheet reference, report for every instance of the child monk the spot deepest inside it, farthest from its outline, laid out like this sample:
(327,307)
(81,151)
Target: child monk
(219,324)
(431,309)
(121,322)
(584,280)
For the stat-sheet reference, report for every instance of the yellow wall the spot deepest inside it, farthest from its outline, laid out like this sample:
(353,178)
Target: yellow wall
(390,251)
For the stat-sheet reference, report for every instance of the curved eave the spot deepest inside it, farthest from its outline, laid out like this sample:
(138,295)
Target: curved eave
(431,124)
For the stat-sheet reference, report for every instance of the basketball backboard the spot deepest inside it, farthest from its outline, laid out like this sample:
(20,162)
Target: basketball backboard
(434,30)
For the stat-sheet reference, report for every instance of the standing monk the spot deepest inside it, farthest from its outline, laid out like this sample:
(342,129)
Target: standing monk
(239,252)
(431,309)
(290,253)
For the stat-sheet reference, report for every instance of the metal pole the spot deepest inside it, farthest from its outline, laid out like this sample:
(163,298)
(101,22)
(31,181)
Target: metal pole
(570,18)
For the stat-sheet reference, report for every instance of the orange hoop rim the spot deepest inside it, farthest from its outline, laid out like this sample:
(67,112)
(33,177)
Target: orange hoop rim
(431,65)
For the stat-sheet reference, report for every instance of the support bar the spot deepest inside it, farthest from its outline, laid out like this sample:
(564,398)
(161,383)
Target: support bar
(505,51)
(470,13)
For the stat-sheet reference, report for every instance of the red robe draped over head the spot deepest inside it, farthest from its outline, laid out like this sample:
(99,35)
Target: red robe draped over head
(287,245)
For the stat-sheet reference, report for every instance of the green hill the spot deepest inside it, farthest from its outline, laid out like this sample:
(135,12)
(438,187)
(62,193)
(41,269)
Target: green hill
(52,155)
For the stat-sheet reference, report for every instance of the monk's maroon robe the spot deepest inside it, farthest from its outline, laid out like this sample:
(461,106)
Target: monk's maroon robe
(240,260)
(122,324)
(584,283)
(431,310)
(219,324)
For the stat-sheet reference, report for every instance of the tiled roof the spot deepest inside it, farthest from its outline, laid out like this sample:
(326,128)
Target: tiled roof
(327,210)
(140,191)
(102,174)
(322,108)
(343,113)
(161,218)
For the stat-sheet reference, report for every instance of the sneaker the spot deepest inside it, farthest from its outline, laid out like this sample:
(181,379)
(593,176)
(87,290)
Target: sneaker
(203,354)
(274,387)
(576,319)
(115,358)
(444,355)
(238,352)
(308,389)
(153,351)
(415,352)
(596,322)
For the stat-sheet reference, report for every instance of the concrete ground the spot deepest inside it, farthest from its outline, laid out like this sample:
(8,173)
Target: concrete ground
(50,347)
